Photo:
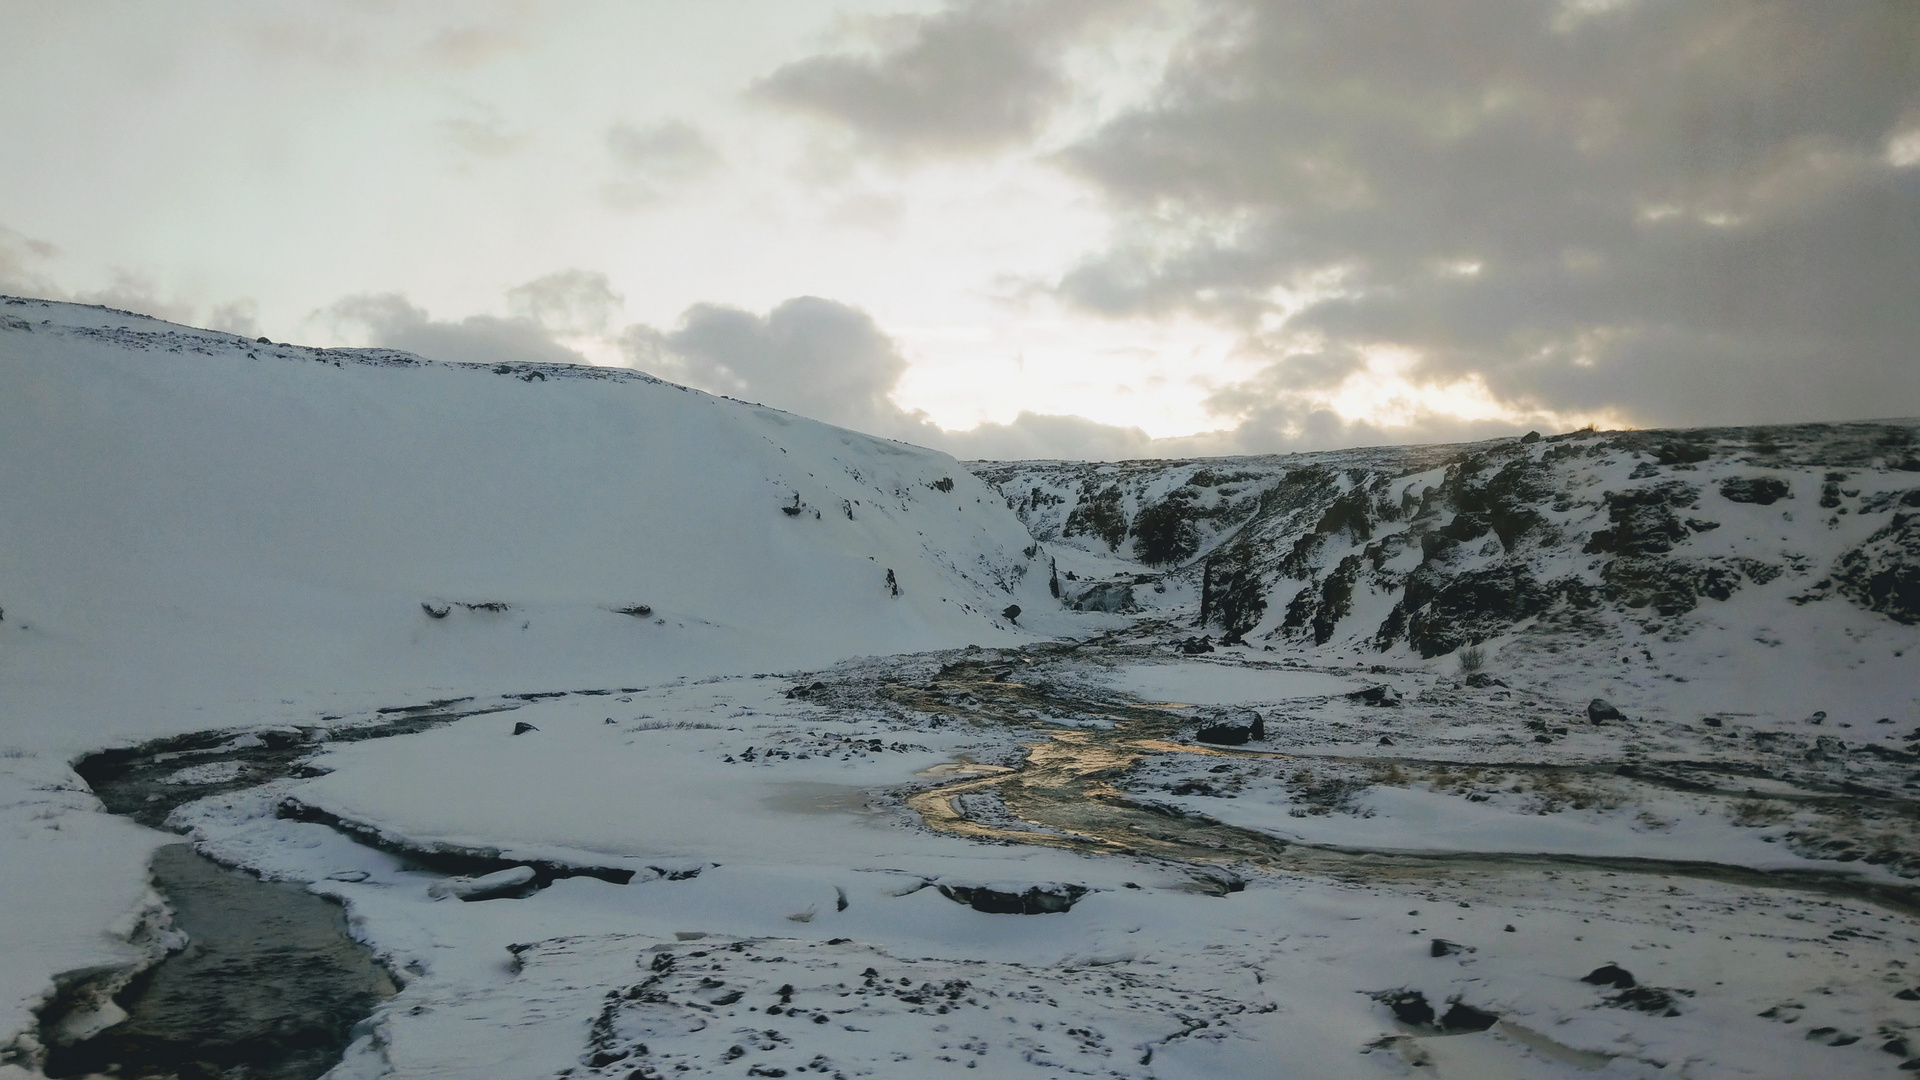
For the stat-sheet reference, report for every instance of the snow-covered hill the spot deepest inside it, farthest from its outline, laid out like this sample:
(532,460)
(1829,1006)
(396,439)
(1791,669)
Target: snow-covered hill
(1758,569)
(193,523)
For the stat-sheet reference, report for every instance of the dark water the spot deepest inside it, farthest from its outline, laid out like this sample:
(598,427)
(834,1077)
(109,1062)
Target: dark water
(270,985)
(269,988)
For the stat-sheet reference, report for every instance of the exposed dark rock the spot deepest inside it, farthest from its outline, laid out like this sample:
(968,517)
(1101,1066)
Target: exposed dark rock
(1646,999)
(435,611)
(638,611)
(1010,900)
(1461,1016)
(1443,947)
(1643,521)
(1883,573)
(1233,734)
(1376,695)
(1480,680)
(1164,532)
(1680,453)
(945,483)
(1600,710)
(1443,613)
(1100,513)
(1011,613)
(522,727)
(1610,975)
(1408,1006)
(1196,646)
(1759,490)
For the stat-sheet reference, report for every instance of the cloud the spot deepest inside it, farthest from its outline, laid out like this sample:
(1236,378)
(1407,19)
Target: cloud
(1034,436)
(482,132)
(376,36)
(975,76)
(649,162)
(1679,213)
(390,321)
(22,262)
(811,356)
(830,361)
(567,302)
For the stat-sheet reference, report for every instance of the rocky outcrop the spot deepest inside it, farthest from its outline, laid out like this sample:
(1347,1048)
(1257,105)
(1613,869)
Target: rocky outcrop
(1883,574)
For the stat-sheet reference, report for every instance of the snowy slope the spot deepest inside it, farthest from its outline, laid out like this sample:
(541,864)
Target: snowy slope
(195,522)
(197,530)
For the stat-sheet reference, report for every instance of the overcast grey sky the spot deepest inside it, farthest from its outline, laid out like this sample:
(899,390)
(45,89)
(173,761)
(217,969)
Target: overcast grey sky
(1088,228)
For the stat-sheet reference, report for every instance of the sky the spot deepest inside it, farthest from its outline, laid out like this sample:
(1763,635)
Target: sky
(1016,228)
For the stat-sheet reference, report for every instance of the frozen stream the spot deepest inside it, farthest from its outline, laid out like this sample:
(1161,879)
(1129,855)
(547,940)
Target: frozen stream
(270,982)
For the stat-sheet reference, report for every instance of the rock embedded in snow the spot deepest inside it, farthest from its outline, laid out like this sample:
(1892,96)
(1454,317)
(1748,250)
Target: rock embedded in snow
(1600,710)
(1015,900)
(1759,490)
(1377,695)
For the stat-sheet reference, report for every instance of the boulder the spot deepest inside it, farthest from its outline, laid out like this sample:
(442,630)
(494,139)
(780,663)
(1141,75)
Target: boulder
(1376,695)
(1015,900)
(1610,975)
(1759,490)
(1600,710)
(1233,734)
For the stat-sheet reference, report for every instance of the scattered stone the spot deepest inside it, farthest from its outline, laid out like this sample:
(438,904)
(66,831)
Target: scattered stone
(1712,721)
(1818,717)
(1480,680)
(1196,646)
(1600,710)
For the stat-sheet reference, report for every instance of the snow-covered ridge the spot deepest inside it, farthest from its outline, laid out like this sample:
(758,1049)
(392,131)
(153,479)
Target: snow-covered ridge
(198,525)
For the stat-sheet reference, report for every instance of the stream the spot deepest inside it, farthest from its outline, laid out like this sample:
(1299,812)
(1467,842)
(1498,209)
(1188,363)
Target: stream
(270,983)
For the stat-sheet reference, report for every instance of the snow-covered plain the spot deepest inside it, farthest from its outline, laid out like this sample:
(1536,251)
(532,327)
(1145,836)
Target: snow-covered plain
(773,826)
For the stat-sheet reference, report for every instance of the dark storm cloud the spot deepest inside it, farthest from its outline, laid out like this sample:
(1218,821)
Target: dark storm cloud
(1691,213)
(975,76)
(649,162)
(391,321)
